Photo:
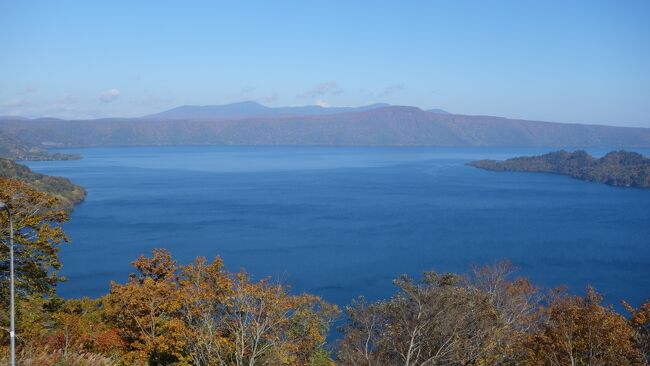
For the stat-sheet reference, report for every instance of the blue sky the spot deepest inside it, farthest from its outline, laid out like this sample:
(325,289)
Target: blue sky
(565,61)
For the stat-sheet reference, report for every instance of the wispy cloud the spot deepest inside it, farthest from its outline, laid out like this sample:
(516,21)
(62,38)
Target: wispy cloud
(154,101)
(109,95)
(320,90)
(245,93)
(15,103)
(65,99)
(29,90)
(390,90)
(62,107)
(269,98)
(247,90)
(378,94)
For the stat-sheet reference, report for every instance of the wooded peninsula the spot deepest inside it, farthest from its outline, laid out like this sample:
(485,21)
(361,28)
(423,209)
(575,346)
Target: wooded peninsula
(616,168)
(62,189)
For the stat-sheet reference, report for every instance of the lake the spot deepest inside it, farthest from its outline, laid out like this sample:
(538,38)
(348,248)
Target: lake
(342,222)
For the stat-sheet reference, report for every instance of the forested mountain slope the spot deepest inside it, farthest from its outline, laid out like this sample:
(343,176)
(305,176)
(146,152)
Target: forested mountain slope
(385,126)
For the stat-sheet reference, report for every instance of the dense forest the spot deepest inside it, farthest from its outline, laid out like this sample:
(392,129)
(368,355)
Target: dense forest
(200,313)
(617,168)
(67,193)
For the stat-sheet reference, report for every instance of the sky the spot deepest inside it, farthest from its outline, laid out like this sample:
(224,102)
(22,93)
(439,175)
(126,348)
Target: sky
(564,61)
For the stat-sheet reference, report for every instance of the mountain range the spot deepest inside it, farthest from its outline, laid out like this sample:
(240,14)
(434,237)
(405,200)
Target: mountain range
(253,109)
(250,123)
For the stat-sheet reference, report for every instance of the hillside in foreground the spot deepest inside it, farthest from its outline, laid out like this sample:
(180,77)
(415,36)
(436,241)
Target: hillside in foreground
(617,168)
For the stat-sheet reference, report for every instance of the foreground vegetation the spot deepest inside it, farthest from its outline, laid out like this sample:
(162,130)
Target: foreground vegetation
(617,168)
(202,314)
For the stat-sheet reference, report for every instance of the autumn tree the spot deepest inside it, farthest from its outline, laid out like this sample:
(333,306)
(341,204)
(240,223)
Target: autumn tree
(146,312)
(201,314)
(268,326)
(80,326)
(444,319)
(231,320)
(579,331)
(37,237)
(640,321)
(205,289)
(514,302)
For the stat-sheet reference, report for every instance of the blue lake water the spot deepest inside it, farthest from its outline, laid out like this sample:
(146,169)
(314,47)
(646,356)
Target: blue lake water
(343,222)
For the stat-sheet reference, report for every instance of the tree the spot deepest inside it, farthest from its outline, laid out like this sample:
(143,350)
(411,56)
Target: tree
(146,312)
(205,291)
(203,315)
(37,237)
(640,321)
(231,320)
(270,327)
(79,326)
(444,319)
(578,330)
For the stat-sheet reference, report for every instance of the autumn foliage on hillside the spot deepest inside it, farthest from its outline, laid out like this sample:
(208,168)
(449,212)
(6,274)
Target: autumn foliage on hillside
(201,314)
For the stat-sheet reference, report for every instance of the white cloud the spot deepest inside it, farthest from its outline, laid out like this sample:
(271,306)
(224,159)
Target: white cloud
(109,95)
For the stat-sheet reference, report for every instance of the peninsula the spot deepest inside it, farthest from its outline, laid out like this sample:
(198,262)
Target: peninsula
(616,168)
(67,193)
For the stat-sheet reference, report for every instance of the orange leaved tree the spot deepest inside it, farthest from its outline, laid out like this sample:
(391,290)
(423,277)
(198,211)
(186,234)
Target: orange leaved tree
(200,314)
(578,330)
(146,312)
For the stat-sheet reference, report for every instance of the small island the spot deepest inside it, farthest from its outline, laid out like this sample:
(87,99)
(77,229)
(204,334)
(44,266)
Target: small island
(617,168)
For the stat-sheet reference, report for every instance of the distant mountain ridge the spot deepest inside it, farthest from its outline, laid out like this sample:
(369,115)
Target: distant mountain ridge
(437,110)
(253,109)
(373,126)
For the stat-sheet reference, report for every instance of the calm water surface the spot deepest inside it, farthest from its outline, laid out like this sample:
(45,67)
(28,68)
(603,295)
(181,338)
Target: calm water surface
(342,222)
